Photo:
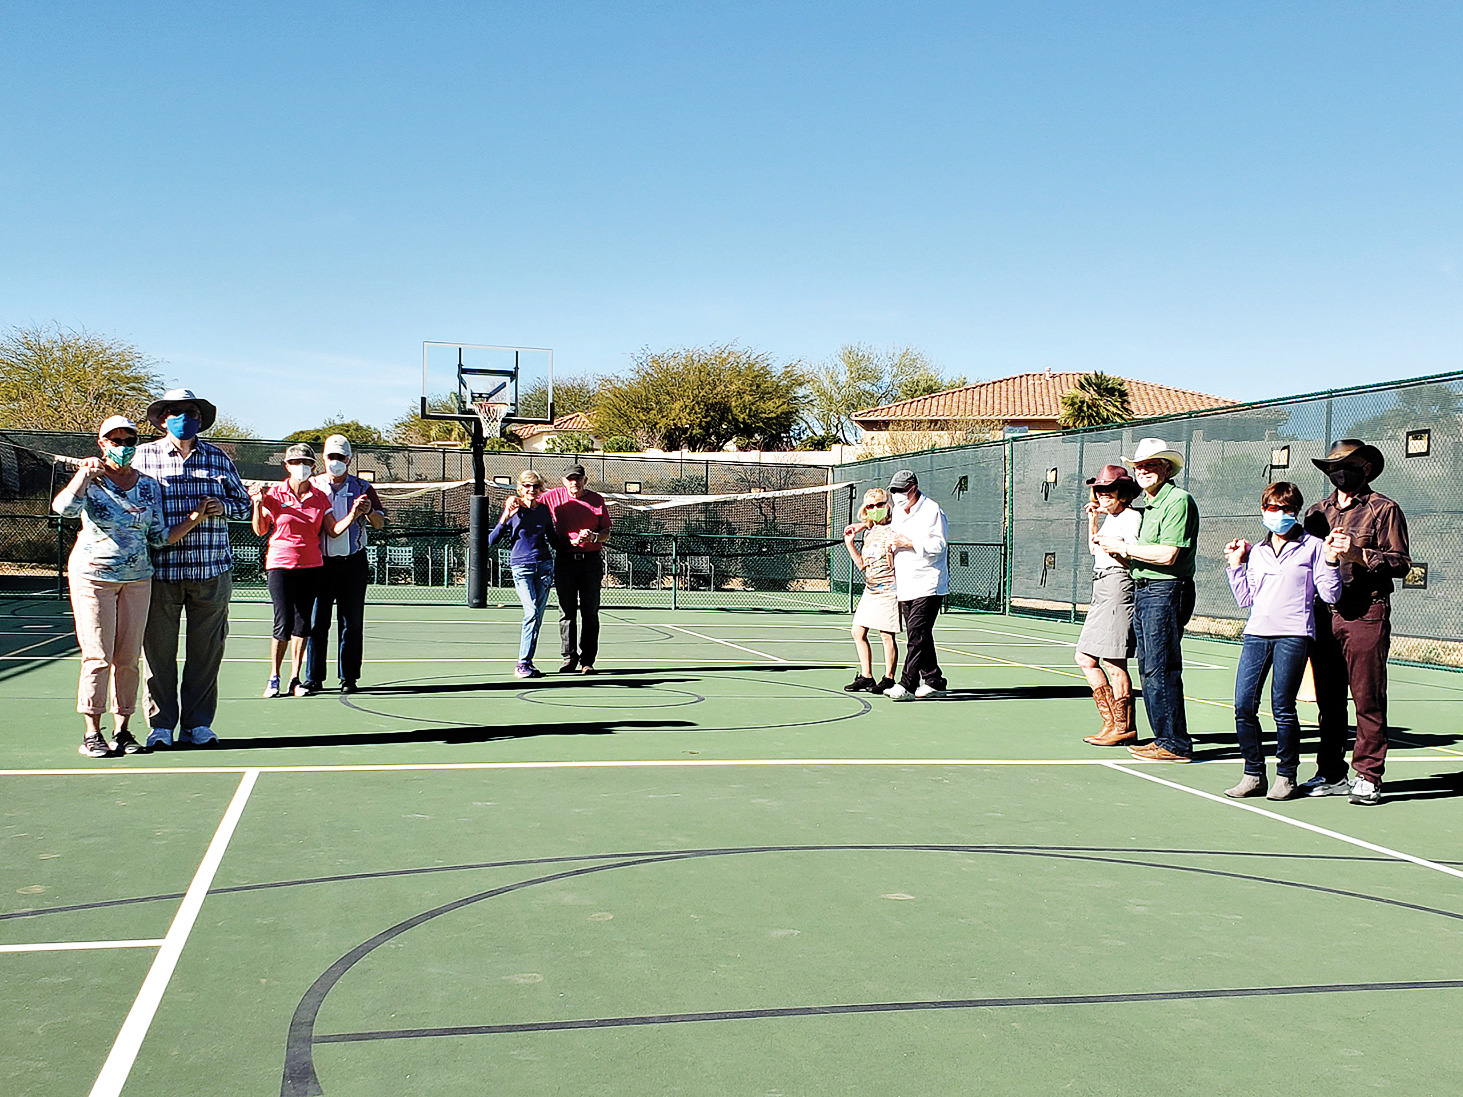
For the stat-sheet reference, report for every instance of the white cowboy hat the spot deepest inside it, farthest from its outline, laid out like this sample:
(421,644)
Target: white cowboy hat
(206,411)
(1155,449)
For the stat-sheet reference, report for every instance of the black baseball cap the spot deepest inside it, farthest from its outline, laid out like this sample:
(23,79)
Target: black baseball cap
(575,472)
(903,480)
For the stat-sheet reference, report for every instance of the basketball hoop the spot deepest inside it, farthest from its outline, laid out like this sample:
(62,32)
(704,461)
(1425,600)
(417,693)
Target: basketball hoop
(490,413)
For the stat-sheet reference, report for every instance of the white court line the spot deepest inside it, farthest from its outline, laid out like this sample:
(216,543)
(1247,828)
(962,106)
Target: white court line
(19,652)
(653,763)
(79,946)
(124,1051)
(1227,802)
(728,643)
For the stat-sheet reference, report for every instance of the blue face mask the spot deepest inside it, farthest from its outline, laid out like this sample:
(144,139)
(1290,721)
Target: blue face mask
(183,427)
(1278,521)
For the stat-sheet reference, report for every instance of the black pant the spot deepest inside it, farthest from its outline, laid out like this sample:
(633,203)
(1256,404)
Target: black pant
(343,582)
(577,579)
(920,661)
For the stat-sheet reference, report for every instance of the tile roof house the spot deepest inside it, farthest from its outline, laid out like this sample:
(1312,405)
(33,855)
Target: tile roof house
(535,437)
(1026,402)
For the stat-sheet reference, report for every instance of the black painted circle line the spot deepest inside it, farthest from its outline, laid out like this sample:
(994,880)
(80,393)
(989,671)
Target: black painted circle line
(864,706)
(383,874)
(300,1077)
(683,698)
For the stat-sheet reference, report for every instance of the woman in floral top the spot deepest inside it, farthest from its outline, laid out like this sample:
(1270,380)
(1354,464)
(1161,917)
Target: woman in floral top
(878,609)
(110,575)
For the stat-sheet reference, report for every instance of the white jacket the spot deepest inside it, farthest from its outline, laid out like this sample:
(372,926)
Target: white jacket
(924,570)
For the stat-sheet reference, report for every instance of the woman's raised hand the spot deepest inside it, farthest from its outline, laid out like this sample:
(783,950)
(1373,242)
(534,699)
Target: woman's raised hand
(1237,552)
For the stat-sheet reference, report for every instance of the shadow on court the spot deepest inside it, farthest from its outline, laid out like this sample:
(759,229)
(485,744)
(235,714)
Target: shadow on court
(1439,786)
(1014,693)
(456,735)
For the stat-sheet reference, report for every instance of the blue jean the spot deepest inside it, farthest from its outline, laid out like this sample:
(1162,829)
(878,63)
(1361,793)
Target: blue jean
(534,583)
(1288,655)
(1161,609)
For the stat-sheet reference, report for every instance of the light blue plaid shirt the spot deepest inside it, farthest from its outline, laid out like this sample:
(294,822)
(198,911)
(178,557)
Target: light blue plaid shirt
(204,553)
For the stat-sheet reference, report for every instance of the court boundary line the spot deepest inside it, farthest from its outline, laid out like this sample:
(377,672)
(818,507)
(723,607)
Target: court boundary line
(728,643)
(118,1066)
(80,946)
(1386,851)
(644,763)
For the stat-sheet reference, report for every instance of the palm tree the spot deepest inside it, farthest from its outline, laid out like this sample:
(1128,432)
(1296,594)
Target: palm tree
(1095,401)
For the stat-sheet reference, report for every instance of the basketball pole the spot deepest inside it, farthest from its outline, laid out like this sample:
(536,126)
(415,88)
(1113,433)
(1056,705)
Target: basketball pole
(479,523)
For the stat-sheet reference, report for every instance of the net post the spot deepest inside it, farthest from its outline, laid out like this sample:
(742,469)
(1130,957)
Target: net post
(675,571)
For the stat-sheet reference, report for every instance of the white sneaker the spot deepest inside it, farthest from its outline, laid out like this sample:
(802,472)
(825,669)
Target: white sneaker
(200,736)
(159,737)
(1366,792)
(924,689)
(896,692)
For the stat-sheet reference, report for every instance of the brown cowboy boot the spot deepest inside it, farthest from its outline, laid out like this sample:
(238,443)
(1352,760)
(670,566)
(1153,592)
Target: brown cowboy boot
(1102,697)
(1123,731)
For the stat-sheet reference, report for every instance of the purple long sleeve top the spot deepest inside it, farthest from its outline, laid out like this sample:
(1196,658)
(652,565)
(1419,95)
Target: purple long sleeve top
(1281,590)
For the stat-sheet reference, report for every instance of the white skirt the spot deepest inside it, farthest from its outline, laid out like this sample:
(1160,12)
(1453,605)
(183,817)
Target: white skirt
(878,611)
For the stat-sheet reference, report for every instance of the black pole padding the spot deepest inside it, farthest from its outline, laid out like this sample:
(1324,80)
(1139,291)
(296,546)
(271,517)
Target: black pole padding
(479,525)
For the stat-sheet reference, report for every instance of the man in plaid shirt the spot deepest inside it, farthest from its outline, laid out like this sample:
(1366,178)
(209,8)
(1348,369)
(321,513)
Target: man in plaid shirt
(192,576)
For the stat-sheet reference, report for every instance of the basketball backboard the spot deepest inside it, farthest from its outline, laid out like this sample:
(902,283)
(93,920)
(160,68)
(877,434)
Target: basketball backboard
(455,376)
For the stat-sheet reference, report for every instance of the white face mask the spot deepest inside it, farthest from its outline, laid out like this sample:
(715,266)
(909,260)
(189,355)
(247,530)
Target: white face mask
(335,468)
(899,498)
(299,472)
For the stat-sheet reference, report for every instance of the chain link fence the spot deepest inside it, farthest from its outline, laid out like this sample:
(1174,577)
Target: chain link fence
(1016,525)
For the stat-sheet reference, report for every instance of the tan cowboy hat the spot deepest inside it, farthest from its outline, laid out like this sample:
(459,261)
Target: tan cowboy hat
(1155,449)
(1353,451)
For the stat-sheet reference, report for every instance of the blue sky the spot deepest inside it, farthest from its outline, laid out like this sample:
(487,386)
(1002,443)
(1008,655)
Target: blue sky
(281,201)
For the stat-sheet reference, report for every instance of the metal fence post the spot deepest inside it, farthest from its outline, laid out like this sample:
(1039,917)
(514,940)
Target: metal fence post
(1079,543)
(60,558)
(1008,548)
(675,572)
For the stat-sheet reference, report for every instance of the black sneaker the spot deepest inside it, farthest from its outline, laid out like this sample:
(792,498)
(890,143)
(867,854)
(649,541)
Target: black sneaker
(883,685)
(125,744)
(349,687)
(569,667)
(312,688)
(93,746)
(860,684)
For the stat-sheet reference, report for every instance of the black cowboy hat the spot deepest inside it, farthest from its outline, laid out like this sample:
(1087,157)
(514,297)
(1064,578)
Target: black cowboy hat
(1353,451)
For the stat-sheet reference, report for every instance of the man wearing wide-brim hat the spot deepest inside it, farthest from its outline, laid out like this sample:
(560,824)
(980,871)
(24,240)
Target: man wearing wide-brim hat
(192,576)
(1161,563)
(1368,532)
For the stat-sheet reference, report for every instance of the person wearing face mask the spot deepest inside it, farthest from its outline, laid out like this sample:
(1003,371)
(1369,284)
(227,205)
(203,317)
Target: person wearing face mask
(1280,580)
(583,523)
(878,607)
(1106,643)
(1368,533)
(345,572)
(920,545)
(110,576)
(293,514)
(1161,561)
(191,576)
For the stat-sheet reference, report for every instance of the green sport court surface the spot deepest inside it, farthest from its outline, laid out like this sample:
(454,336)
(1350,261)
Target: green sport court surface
(709,871)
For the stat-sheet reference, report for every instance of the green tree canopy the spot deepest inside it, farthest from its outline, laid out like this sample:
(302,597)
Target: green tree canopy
(1095,401)
(703,398)
(860,376)
(357,433)
(571,394)
(412,430)
(572,442)
(57,379)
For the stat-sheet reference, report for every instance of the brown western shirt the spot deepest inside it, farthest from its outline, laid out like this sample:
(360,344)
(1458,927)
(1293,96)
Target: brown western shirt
(1378,530)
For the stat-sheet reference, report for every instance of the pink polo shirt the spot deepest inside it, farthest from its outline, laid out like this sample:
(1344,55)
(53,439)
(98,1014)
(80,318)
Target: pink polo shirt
(587,513)
(294,542)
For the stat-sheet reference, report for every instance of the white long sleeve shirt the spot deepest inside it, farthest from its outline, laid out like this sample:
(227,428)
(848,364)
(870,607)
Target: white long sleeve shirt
(925,569)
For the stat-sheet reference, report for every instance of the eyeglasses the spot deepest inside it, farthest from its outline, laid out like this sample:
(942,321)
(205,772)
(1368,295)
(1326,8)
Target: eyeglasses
(530,487)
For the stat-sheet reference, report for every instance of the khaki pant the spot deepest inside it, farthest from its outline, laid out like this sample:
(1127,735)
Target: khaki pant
(110,619)
(206,603)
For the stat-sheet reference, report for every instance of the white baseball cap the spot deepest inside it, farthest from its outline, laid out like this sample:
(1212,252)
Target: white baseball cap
(116,422)
(337,444)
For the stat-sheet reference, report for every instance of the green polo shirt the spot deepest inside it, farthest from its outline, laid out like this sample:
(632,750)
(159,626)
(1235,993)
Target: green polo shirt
(1170,518)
